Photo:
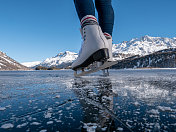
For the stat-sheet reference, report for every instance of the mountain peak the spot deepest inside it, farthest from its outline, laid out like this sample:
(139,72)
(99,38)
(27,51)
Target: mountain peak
(146,38)
(61,58)
(2,53)
(61,54)
(70,53)
(144,45)
(7,63)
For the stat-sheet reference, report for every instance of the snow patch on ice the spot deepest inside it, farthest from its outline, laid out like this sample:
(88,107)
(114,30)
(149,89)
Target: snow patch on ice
(136,103)
(90,127)
(44,130)
(104,129)
(163,108)
(57,96)
(49,122)
(7,126)
(174,94)
(35,123)
(153,111)
(8,106)
(48,115)
(2,108)
(120,129)
(22,125)
(174,124)
(50,109)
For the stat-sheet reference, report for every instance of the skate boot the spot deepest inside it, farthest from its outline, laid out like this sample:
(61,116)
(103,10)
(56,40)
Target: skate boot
(95,45)
(109,39)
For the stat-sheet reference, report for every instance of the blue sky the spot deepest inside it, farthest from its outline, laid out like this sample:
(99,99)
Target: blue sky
(32,30)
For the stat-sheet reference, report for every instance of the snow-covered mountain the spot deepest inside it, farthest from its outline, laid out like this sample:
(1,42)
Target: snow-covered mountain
(7,63)
(135,47)
(61,60)
(142,46)
(161,59)
(31,64)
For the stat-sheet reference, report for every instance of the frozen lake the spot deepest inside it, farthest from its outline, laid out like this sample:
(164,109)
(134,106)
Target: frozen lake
(127,100)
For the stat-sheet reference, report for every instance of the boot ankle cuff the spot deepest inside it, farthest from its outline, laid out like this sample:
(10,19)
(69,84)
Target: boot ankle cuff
(88,20)
(107,35)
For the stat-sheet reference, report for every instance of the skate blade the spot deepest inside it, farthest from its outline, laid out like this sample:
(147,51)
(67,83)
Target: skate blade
(94,68)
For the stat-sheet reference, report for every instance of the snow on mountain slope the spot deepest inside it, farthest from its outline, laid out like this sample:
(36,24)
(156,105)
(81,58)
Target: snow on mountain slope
(31,64)
(144,45)
(60,59)
(7,63)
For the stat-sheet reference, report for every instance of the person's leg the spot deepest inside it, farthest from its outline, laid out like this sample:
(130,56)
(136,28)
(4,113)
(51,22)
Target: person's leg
(84,8)
(105,15)
(106,21)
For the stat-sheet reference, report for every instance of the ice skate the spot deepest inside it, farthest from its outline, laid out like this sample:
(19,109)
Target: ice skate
(94,47)
(104,66)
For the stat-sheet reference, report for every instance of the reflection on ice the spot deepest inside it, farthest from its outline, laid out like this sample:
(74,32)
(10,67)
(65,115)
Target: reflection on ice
(96,100)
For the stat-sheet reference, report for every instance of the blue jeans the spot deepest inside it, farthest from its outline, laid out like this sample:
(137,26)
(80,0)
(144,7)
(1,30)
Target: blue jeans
(104,9)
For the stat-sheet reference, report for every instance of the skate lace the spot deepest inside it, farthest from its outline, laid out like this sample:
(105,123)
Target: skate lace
(84,34)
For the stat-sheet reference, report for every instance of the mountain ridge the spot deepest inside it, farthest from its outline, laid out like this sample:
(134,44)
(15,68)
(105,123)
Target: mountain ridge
(161,59)
(7,63)
(144,45)
(61,60)
(135,47)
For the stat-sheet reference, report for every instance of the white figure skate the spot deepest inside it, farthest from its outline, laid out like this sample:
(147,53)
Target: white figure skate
(95,48)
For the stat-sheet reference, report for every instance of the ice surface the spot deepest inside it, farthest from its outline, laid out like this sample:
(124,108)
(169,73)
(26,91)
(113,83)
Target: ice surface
(141,100)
